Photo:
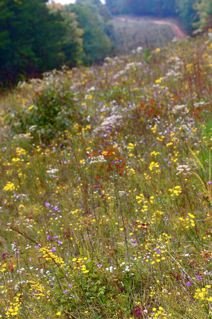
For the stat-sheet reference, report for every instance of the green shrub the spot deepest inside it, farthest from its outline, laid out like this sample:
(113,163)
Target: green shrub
(53,111)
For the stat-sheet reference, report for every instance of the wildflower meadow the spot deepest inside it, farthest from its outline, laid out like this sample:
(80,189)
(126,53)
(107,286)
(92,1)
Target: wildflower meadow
(105,189)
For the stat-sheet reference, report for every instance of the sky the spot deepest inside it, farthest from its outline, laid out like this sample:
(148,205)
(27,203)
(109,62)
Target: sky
(66,1)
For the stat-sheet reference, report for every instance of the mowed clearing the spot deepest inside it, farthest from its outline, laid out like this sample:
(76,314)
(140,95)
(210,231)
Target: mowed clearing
(132,32)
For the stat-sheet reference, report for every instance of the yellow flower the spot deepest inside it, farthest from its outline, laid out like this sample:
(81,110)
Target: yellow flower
(175,191)
(202,294)
(157,50)
(48,255)
(14,307)
(154,153)
(30,108)
(20,151)
(188,222)
(160,313)
(3,267)
(59,313)
(37,289)
(159,81)
(154,167)
(131,147)
(160,138)
(9,187)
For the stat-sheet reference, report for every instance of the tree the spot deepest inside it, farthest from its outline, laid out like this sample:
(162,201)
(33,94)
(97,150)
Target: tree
(204,9)
(187,13)
(142,7)
(96,43)
(30,39)
(72,42)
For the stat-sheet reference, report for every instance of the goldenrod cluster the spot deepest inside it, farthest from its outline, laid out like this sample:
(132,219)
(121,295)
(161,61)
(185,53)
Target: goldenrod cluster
(154,167)
(141,200)
(131,148)
(14,307)
(48,255)
(188,222)
(157,253)
(9,187)
(36,289)
(202,294)
(159,313)
(175,191)
(3,267)
(79,263)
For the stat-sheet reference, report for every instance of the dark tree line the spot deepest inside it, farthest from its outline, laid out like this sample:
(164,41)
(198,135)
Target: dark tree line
(31,39)
(142,7)
(36,37)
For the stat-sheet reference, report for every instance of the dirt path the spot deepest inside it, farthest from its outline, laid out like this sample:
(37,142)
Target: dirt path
(179,33)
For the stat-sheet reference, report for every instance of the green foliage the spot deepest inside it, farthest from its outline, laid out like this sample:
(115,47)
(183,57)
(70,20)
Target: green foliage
(36,37)
(143,7)
(187,13)
(204,9)
(30,39)
(72,47)
(96,43)
(53,111)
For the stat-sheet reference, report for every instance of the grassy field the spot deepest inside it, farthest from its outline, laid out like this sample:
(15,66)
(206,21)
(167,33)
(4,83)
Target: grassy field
(105,190)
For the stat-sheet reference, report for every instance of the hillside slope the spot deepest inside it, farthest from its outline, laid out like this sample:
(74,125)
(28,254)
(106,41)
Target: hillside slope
(105,189)
(132,32)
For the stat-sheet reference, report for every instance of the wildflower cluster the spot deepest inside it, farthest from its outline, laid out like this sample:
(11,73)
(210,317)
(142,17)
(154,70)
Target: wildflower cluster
(143,202)
(160,313)
(157,249)
(187,222)
(48,255)
(14,307)
(37,289)
(202,294)
(79,264)
(175,191)
(154,167)
(9,187)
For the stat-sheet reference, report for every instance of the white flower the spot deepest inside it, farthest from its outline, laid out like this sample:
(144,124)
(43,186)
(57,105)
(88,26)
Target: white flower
(97,159)
(183,169)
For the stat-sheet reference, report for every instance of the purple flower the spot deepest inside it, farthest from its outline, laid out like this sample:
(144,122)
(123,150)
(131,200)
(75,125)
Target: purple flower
(137,312)
(49,237)
(53,250)
(157,250)
(198,277)
(56,208)
(47,204)
(188,284)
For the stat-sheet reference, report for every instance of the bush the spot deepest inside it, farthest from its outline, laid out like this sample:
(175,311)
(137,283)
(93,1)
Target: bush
(53,111)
